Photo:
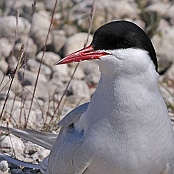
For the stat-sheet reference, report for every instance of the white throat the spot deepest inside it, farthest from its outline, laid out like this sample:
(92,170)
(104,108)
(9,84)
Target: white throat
(123,95)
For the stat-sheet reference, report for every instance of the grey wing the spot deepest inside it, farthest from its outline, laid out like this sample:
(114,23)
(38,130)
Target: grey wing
(44,139)
(18,162)
(73,115)
(69,154)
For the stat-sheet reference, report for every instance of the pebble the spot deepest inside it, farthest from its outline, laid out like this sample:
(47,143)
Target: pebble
(39,36)
(11,143)
(8,26)
(59,39)
(79,88)
(165,40)
(49,58)
(76,42)
(3,167)
(30,47)
(5,47)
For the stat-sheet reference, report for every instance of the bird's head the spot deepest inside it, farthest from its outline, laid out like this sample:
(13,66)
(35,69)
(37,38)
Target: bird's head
(118,45)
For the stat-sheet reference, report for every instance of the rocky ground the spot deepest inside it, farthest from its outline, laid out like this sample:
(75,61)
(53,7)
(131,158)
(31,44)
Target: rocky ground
(26,22)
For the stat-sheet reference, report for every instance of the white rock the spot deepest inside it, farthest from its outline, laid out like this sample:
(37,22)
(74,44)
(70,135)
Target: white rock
(76,42)
(40,155)
(166,95)
(79,74)
(16,86)
(18,114)
(116,8)
(167,86)
(79,88)
(10,143)
(166,10)
(8,26)
(29,82)
(69,29)
(49,58)
(3,65)
(56,86)
(41,21)
(75,100)
(31,148)
(12,62)
(5,48)
(171,14)
(61,72)
(36,104)
(30,78)
(39,37)
(170,74)
(163,23)
(49,4)
(105,11)
(62,4)
(39,31)
(164,40)
(3,95)
(92,73)
(59,39)
(34,67)
(30,47)
(24,6)
(1,75)
(4,167)
(160,7)
(41,92)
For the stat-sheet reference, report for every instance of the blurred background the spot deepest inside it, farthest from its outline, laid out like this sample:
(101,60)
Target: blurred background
(35,34)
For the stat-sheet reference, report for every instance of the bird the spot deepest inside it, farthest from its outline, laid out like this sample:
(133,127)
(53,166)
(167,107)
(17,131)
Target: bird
(125,128)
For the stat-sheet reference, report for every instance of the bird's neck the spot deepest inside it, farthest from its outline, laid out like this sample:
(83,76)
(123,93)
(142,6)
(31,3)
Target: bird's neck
(122,97)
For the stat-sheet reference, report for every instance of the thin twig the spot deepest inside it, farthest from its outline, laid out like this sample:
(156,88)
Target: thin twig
(55,111)
(40,65)
(11,140)
(91,15)
(12,106)
(90,20)
(4,85)
(12,77)
(25,59)
(12,53)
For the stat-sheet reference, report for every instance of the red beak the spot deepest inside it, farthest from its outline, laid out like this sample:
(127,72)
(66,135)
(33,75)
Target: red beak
(86,53)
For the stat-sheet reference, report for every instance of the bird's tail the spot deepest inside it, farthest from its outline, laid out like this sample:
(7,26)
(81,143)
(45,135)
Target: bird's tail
(44,139)
(18,162)
(41,166)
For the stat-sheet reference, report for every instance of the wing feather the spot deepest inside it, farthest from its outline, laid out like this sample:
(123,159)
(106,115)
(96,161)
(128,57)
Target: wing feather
(67,148)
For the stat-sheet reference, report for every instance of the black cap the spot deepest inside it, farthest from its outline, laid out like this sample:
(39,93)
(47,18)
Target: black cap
(123,34)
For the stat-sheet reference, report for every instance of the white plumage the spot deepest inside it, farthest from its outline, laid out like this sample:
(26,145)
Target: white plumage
(126,128)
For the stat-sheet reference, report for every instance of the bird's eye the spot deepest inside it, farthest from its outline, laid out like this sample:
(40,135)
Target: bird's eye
(124,44)
(71,128)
